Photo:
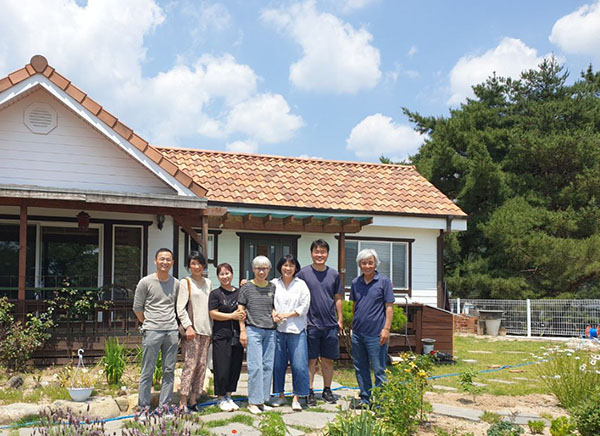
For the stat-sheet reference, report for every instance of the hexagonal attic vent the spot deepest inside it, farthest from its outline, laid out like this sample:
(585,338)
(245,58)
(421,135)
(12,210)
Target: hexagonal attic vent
(40,118)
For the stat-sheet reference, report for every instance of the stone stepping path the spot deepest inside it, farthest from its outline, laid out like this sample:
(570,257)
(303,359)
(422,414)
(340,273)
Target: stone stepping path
(469,360)
(479,352)
(475,414)
(504,382)
(445,388)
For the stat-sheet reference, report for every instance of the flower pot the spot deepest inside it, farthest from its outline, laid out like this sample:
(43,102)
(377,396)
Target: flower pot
(427,345)
(80,394)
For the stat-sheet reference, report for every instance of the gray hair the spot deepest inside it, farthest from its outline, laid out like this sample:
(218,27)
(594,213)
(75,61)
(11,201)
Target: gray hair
(261,261)
(365,254)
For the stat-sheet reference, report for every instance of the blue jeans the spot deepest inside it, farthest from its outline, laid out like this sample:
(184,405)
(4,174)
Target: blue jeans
(367,353)
(291,347)
(260,353)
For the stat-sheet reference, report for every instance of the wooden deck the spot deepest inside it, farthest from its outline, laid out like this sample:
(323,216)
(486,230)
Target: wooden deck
(119,321)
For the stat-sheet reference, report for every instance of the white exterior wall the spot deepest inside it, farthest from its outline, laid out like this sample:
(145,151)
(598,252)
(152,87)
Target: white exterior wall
(73,155)
(424,255)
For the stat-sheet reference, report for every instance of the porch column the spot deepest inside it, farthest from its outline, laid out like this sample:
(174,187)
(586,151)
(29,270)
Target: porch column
(204,220)
(440,271)
(22,259)
(342,257)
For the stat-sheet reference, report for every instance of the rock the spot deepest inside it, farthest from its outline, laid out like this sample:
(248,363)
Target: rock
(13,412)
(103,407)
(132,401)
(15,382)
(123,403)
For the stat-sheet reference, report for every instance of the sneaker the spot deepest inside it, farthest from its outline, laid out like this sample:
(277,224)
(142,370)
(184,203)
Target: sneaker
(193,408)
(266,408)
(232,403)
(311,400)
(327,395)
(143,415)
(254,409)
(296,406)
(277,401)
(358,404)
(224,405)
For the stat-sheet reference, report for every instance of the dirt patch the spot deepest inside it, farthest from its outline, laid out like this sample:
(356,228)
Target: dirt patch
(533,404)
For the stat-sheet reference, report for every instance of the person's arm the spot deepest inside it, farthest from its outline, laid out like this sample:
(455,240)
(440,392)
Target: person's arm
(139,301)
(243,335)
(339,307)
(389,316)
(183,297)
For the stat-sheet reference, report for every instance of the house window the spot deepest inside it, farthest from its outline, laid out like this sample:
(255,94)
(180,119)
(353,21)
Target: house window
(69,255)
(9,258)
(212,239)
(393,257)
(127,259)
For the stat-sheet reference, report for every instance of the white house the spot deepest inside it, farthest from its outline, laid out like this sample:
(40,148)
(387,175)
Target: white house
(85,199)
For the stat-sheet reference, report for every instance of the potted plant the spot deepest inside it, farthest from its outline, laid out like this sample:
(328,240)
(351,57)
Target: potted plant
(82,381)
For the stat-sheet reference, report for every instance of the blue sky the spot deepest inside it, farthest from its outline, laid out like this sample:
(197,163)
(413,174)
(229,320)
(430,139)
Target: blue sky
(316,78)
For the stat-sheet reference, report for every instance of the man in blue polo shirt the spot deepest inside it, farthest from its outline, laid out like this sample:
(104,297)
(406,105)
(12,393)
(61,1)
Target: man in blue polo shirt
(373,298)
(324,319)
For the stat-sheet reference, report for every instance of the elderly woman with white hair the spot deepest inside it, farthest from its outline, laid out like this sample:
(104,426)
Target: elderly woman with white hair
(257,333)
(373,310)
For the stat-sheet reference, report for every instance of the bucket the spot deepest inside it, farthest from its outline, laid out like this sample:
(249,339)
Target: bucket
(492,326)
(427,345)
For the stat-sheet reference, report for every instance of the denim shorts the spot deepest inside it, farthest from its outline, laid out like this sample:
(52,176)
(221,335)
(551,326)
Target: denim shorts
(323,343)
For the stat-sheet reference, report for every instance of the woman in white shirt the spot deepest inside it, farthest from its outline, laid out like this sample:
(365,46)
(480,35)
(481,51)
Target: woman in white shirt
(194,290)
(292,299)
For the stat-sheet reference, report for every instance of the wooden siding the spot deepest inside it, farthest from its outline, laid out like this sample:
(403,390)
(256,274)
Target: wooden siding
(73,155)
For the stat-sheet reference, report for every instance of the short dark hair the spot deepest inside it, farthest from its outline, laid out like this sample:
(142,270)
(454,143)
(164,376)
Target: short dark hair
(226,266)
(288,258)
(196,255)
(165,250)
(319,243)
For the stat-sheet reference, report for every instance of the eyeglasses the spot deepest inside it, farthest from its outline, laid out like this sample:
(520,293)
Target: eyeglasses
(262,268)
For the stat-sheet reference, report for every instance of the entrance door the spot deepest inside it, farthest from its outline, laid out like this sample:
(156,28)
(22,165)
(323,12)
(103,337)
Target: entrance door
(269,245)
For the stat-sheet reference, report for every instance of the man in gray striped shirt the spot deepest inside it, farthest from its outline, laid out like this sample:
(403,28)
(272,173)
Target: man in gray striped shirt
(154,306)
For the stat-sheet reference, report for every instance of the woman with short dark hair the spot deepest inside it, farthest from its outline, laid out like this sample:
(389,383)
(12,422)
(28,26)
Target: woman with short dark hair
(228,353)
(194,290)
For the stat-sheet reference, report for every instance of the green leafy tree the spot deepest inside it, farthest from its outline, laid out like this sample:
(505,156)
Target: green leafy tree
(522,158)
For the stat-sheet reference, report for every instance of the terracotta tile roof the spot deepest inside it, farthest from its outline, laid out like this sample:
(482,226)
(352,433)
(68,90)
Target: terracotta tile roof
(312,183)
(39,65)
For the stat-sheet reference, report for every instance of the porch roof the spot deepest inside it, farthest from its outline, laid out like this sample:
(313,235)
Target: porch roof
(37,196)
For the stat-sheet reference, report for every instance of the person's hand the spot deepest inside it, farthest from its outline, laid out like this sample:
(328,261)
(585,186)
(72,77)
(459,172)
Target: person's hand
(190,333)
(384,336)
(243,282)
(340,325)
(277,317)
(243,339)
(239,314)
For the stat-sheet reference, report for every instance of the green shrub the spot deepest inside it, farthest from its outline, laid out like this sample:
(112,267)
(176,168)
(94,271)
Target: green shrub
(454,432)
(18,342)
(490,417)
(505,428)
(272,424)
(113,361)
(569,375)
(536,427)
(398,321)
(562,426)
(351,423)
(399,404)
(467,384)
(587,417)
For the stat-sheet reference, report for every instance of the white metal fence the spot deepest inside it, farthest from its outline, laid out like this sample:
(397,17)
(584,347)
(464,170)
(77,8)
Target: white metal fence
(538,317)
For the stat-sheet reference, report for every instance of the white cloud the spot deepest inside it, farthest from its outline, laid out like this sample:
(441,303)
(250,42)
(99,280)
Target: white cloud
(413,50)
(509,58)
(242,147)
(265,118)
(352,5)
(100,47)
(378,135)
(336,57)
(579,31)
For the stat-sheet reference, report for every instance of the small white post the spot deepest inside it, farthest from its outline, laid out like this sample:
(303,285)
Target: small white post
(528,318)
(458,306)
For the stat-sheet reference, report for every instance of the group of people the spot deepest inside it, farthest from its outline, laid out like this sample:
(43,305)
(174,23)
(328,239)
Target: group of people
(292,320)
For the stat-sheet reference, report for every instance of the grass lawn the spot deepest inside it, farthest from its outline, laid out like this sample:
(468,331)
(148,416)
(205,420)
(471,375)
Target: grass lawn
(487,353)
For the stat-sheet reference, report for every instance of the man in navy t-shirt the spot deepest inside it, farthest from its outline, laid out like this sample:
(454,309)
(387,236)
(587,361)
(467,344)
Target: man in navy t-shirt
(324,319)
(373,297)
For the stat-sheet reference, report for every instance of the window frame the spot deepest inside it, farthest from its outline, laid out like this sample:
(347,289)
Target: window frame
(407,241)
